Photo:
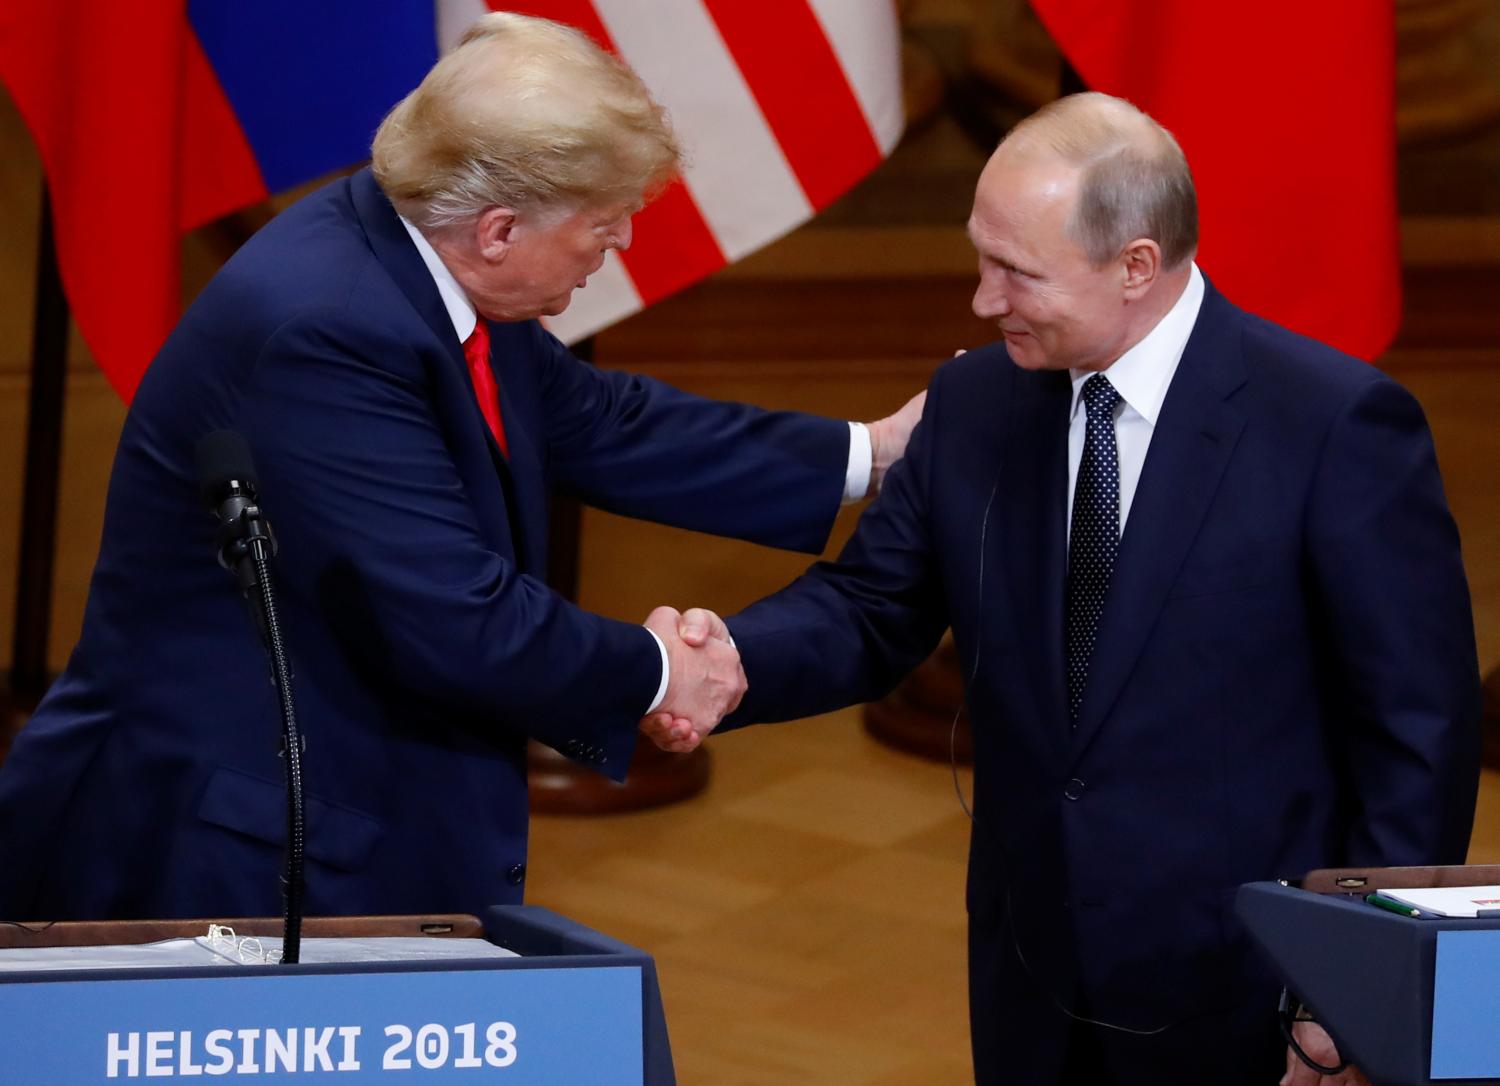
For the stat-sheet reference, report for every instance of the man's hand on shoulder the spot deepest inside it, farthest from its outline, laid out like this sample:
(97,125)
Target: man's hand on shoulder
(888,437)
(705,682)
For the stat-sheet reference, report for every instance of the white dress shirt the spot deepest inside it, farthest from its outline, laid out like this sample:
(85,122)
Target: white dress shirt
(461,313)
(1141,376)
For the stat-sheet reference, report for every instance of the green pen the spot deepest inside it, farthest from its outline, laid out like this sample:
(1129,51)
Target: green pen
(1392,905)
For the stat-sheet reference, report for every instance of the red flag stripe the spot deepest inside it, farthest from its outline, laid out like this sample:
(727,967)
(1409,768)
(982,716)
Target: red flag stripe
(673,244)
(116,229)
(790,67)
(866,38)
(165,116)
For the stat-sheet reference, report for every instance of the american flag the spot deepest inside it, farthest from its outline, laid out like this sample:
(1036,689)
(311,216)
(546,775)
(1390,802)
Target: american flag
(781,106)
(152,119)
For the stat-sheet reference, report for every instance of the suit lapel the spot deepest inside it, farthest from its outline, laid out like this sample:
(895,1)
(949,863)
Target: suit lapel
(1032,501)
(522,472)
(401,261)
(1191,445)
(399,257)
(502,403)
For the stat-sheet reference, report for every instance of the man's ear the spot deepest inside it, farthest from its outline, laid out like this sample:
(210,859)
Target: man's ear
(1141,264)
(493,232)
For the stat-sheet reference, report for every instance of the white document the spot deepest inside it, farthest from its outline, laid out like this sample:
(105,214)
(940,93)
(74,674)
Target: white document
(385,948)
(217,949)
(1447,900)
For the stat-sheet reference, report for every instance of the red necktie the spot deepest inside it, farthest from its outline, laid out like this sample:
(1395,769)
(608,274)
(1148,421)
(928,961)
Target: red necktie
(477,354)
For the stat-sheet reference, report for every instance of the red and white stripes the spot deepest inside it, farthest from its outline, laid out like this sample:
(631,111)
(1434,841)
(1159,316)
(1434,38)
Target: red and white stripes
(781,106)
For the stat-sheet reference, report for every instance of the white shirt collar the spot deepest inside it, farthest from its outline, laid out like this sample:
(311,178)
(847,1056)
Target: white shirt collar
(460,309)
(1141,375)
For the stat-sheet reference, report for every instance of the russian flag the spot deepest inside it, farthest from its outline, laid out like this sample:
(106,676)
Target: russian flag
(152,119)
(1287,114)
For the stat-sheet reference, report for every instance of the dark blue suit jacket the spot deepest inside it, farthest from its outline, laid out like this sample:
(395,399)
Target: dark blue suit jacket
(1284,678)
(425,644)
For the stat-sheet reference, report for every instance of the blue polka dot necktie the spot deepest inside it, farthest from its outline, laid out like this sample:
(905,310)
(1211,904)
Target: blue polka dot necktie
(1095,536)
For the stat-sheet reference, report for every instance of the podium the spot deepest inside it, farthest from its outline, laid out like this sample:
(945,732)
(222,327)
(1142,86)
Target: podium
(574,1006)
(1410,1001)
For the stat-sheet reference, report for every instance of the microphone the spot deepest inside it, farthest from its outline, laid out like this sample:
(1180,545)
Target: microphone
(227,484)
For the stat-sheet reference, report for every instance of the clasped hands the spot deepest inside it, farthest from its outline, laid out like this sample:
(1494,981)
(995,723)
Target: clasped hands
(705,682)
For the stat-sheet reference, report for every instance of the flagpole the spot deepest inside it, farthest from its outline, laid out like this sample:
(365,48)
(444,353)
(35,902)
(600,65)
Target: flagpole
(49,366)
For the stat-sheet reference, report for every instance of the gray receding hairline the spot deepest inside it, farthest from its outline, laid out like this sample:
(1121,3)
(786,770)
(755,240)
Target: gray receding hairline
(1134,181)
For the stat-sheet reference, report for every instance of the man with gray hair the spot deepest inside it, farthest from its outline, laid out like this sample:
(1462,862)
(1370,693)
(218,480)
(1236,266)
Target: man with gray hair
(1210,603)
(378,346)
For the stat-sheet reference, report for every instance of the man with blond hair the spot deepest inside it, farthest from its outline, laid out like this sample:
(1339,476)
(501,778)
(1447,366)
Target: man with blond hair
(378,346)
(1211,609)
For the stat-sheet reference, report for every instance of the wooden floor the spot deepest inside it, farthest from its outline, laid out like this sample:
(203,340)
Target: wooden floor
(806,914)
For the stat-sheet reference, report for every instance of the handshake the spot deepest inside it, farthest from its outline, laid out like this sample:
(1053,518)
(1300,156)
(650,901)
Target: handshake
(705,683)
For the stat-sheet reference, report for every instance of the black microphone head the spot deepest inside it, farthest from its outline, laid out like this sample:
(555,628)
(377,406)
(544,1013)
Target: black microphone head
(223,457)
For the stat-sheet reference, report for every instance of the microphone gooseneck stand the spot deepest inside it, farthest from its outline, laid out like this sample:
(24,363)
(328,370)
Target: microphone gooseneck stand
(291,748)
(246,546)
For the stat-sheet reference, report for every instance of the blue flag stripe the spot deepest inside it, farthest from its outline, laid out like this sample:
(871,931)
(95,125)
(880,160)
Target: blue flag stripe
(310,80)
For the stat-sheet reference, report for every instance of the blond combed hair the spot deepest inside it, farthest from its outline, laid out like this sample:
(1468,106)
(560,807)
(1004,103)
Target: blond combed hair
(1134,183)
(526,114)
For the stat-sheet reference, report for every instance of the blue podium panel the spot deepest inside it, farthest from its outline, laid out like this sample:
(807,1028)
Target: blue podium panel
(523,1027)
(575,1007)
(1406,1013)
(1466,1005)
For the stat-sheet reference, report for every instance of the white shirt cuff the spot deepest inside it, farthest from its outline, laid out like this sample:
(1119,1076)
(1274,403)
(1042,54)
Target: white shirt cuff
(666,672)
(861,458)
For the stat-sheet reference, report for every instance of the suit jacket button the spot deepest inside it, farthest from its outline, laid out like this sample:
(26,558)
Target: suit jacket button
(1074,789)
(516,873)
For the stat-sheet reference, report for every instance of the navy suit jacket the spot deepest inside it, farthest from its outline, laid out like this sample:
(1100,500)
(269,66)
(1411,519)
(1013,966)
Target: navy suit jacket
(1284,678)
(425,645)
